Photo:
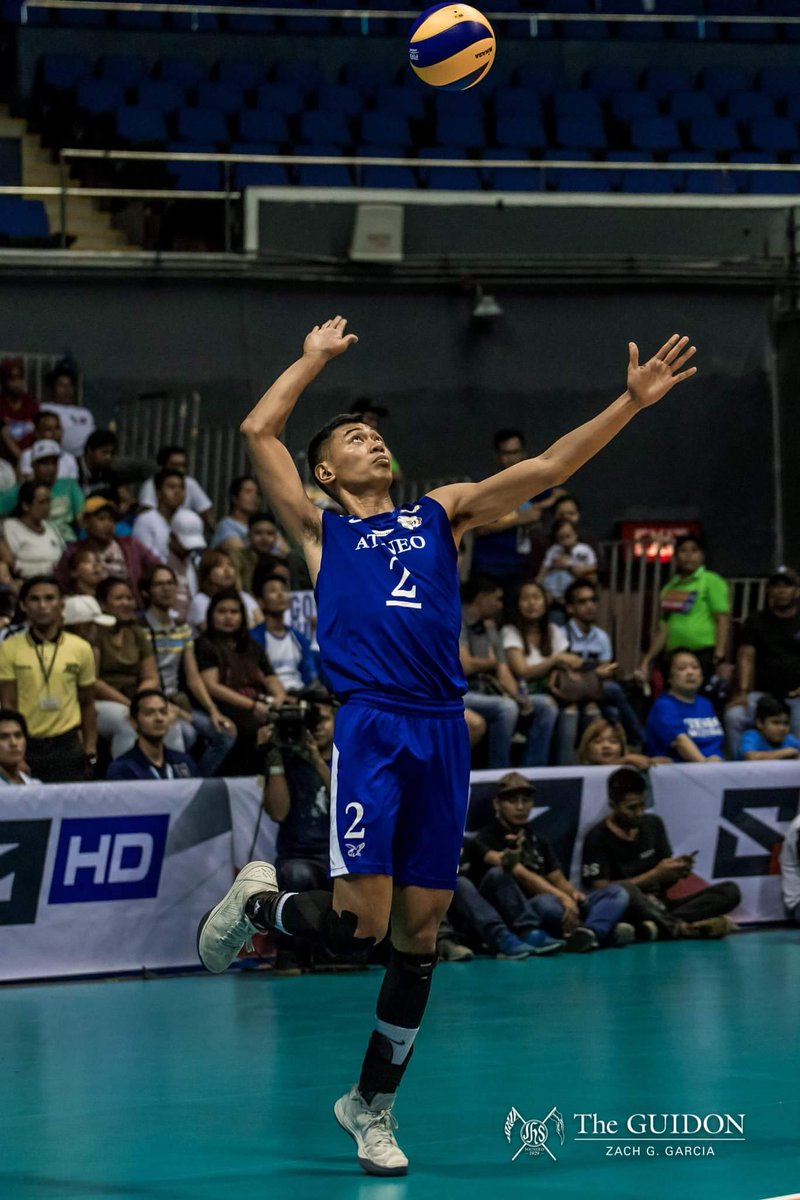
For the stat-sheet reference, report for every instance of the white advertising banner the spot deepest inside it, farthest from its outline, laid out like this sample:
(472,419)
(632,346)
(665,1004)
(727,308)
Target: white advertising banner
(109,877)
(735,816)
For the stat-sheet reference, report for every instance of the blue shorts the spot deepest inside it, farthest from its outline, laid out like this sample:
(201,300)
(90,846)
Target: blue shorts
(399,794)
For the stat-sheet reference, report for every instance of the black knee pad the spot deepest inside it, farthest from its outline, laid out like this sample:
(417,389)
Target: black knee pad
(339,930)
(418,966)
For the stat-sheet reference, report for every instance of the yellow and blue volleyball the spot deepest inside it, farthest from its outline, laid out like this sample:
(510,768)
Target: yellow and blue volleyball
(451,46)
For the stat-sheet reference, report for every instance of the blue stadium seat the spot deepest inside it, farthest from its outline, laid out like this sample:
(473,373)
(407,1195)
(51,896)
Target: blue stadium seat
(544,81)
(157,93)
(745,106)
(405,101)
(572,179)
(459,104)
(243,73)
(185,72)
(382,129)
(775,134)
(793,107)
(383,176)
(459,131)
(331,127)
(721,81)
(450,179)
(521,132)
(99,96)
(655,133)
(280,97)
(246,175)
(195,176)
(683,106)
(338,98)
(223,97)
(517,102)
(202,125)
(23,220)
(715,134)
(776,183)
(141,125)
(365,76)
(124,69)
(710,183)
(742,8)
(586,30)
(307,75)
(64,71)
(509,179)
(320,174)
(572,103)
(262,125)
(663,81)
(629,106)
(649,183)
(10,161)
(584,133)
(779,81)
(610,77)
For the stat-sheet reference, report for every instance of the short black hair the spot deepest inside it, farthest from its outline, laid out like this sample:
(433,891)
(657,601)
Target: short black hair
(45,412)
(673,654)
(505,435)
(11,714)
(256,518)
(574,587)
(690,537)
(567,497)
(771,706)
(272,578)
(623,782)
(558,525)
(166,453)
(146,694)
(101,438)
(237,483)
(105,586)
(316,447)
(34,580)
(478,585)
(161,477)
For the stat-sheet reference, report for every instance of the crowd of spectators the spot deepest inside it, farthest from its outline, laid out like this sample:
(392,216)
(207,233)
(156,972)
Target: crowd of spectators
(146,636)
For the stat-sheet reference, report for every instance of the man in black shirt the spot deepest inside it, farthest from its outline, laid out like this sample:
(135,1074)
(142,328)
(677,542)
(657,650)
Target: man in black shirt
(632,845)
(768,659)
(517,871)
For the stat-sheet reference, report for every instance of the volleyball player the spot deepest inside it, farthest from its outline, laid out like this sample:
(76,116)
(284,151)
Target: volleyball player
(389,620)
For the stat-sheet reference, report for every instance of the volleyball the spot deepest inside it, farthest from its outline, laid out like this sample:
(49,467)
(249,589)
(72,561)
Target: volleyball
(451,46)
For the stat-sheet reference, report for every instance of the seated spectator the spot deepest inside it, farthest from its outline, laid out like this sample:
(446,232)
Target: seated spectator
(85,571)
(534,648)
(77,421)
(604,745)
(153,526)
(567,508)
(631,845)
(287,649)
(771,739)
(567,559)
(95,464)
(264,538)
(768,658)
(83,616)
(66,498)
(790,870)
(186,545)
(238,674)
(18,409)
(175,458)
(695,613)
(123,558)
(126,510)
(682,724)
(31,544)
(233,531)
(491,688)
(591,688)
(511,548)
(518,873)
(48,675)
(176,662)
(216,573)
(13,746)
(150,757)
(472,921)
(47,427)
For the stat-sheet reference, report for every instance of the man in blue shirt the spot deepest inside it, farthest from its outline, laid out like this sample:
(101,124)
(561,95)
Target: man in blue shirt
(771,738)
(150,758)
(682,724)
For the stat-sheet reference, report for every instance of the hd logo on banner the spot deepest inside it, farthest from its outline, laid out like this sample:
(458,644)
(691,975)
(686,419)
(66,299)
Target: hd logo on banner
(108,858)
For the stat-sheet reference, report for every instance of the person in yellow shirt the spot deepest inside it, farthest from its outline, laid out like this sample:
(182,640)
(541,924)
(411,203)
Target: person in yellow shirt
(48,675)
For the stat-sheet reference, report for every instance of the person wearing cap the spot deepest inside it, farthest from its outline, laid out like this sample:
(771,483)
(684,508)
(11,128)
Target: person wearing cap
(48,428)
(187,543)
(83,616)
(695,613)
(768,658)
(66,497)
(150,757)
(48,674)
(122,557)
(13,747)
(31,544)
(518,872)
(371,414)
(175,458)
(17,408)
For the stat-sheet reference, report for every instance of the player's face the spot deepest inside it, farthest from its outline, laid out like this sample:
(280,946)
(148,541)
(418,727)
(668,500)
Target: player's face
(628,812)
(605,747)
(686,673)
(510,452)
(275,596)
(12,744)
(358,457)
(515,807)
(689,557)
(152,719)
(774,729)
(532,603)
(227,617)
(263,536)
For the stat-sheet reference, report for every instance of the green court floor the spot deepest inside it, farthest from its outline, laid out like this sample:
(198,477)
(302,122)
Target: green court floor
(204,1088)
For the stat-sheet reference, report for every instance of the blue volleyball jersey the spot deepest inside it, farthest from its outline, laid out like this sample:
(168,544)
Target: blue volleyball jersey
(388,604)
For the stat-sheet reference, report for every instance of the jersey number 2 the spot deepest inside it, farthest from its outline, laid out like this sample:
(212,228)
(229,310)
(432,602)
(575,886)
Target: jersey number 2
(405,597)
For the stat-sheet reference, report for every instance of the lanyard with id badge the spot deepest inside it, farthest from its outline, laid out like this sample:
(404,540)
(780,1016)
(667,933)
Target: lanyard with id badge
(47,703)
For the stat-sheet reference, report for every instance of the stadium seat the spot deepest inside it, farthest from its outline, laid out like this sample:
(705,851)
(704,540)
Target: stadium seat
(138,126)
(607,78)
(307,75)
(123,69)
(521,132)
(715,134)
(365,76)
(99,96)
(404,101)
(459,104)
(459,132)
(331,127)
(775,134)
(280,97)
(509,179)
(381,129)
(517,102)
(321,174)
(157,93)
(721,81)
(225,98)
(195,176)
(663,81)
(709,183)
(380,176)
(572,179)
(262,125)
(202,125)
(544,81)
(572,103)
(649,183)
(580,133)
(246,175)
(348,101)
(63,72)
(684,106)
(746,106)
(243,73)
(629,106)
(779,81)
(655,133)
(463,179)
(23,220)
(185,72)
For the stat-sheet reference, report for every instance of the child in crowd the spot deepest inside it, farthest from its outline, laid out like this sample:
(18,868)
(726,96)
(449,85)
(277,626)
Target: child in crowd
(567,560)
(771,738)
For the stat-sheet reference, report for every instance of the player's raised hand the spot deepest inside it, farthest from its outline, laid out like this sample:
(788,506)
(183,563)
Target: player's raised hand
(329,339)
(649,382)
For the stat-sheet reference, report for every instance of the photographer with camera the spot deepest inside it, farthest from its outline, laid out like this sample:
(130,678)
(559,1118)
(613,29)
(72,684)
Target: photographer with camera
(297,789)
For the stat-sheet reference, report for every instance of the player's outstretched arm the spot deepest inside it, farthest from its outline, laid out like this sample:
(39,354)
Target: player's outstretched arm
(470,504)
(274,465)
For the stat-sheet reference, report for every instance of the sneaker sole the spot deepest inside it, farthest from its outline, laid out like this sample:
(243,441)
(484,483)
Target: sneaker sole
(538,951)
(366,1164)
(271,883)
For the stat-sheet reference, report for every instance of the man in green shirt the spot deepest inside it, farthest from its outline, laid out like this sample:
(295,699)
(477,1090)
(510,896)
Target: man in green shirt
(66,498)
(695,612)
